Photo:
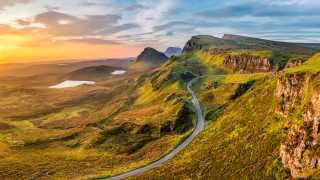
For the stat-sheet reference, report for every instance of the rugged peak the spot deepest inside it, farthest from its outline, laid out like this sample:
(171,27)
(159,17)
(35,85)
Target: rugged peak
(205,42)
(152,55)
(149,58)
(150,49)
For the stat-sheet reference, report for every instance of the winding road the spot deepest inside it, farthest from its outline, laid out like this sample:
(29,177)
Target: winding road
(199,127)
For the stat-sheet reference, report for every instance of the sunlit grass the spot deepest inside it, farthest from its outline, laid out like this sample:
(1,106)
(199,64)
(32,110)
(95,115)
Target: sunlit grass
(242,78)
(312,65)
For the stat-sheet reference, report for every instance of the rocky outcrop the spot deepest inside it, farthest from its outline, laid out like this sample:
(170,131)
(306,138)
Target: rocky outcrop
(204,42)
(216,51)
(290,91)
(191,45)
(245,63)
(294,63)
(299,97)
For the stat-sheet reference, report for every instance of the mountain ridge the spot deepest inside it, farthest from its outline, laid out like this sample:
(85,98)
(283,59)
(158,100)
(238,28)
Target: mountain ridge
(230,41)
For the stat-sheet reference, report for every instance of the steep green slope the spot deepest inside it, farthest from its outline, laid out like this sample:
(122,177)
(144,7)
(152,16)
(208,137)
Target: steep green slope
(258,129)
(242,142)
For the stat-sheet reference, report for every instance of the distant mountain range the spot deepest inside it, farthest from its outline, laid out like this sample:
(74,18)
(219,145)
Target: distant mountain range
(173,51)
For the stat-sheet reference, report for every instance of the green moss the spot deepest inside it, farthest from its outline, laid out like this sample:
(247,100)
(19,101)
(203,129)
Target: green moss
(275,125)
(277,171)
(208,59)
(2,137)
(243,78)
(235,133)
(213,114)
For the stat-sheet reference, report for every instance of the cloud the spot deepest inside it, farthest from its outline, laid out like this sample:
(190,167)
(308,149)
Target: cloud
(5,3)
(171,25)
(184,26)
(94,41)
(52,8)
(23,22)
(5,29)
(165,21)
(135,7)
(117,7)
(62,24)
(58,27)
(154,13)
(260,9)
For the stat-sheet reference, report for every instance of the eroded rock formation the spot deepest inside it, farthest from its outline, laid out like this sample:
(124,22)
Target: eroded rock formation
(294,63)
(245,63)
(299,98)
(217,51)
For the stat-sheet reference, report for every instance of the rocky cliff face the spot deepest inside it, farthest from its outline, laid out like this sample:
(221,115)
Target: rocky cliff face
(247,63)
(191,45)
(204,42)
(299,97)
(294,63)
(216,51)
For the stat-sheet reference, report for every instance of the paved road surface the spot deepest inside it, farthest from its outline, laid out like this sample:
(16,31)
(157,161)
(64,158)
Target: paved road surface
(199,127)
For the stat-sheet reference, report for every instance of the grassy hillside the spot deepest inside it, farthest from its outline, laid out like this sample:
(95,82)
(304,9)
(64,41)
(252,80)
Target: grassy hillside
(312,65)
(284,47)
(241,140)
(104,129)
(245,130)
(49,133)
(127,121)
(92,73)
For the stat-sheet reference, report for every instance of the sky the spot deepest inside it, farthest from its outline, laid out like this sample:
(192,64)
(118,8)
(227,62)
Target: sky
(43,30)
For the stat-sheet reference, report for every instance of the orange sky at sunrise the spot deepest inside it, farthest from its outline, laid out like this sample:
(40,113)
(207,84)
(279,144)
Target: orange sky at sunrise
(21,49)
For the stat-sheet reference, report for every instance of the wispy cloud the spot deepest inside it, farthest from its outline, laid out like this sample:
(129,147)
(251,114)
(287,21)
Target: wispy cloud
(154,13)
(5,3)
